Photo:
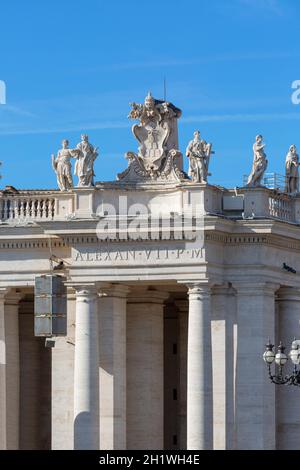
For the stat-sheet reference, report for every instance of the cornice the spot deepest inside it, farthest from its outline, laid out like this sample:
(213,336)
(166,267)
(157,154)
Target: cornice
(41,241)
(253,239)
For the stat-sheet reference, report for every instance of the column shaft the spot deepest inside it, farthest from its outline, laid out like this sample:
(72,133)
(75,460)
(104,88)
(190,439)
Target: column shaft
(255,395)
(62,383)
(183,308)
(86,371)
(112,349)
(145,379)
(287,398)
(199,370)
(12,370)
(223,321)
(3,436)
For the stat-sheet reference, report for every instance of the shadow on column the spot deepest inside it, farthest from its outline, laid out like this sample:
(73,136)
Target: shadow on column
(83,432)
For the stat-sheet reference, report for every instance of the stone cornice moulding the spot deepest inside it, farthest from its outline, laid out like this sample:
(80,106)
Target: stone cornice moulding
(252,238)
(248,288)
(287,294)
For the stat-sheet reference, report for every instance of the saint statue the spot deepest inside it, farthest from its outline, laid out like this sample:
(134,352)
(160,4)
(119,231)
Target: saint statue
(260,163)
(198,151)
(62,166)
(291,170)
(84,166)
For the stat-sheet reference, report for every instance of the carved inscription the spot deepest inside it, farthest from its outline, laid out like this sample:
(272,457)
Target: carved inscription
(147,256)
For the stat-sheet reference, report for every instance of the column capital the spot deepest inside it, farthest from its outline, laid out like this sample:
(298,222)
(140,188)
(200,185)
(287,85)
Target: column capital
(3,292)
(198,289)
(115,290)
(288,294)
(223,289)
(245,288)
(85,292)
(13,297)
(85,287)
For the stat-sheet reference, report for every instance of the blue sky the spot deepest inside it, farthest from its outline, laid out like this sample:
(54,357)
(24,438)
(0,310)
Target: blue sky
(74,66)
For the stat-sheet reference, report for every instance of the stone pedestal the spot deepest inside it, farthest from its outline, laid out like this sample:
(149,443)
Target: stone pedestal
(199,369)
(145,380)
(255,394)
(112,349)
(86,370)
(287,398)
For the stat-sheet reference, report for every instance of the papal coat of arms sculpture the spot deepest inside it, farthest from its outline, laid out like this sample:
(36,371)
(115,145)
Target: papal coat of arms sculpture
(158,158)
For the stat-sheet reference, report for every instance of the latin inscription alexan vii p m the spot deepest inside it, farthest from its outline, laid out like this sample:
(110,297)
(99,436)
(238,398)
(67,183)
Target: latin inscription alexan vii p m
(150,256)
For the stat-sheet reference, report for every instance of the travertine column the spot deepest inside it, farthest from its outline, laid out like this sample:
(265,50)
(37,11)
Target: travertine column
(12,370)
(112,349)
(145,378)
(255,394)
(183,308)
(62,383)
(222,326)
(199,369)
(32,391)
(3,440)
(287,398)
(86,370)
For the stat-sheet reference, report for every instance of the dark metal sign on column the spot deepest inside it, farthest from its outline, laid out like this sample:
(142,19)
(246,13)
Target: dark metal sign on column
(50,306)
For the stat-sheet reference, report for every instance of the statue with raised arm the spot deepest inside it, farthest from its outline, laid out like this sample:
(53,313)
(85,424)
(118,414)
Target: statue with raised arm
(198,152)
(291,171)
(62,165)
(260,163)
(84,166)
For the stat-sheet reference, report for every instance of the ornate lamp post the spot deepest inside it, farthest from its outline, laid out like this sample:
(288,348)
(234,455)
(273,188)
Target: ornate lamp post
(280,359)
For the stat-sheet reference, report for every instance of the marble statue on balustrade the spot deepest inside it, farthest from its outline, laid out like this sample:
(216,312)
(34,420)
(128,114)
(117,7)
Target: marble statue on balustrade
(62,166)
(292,171)
(158,158)
(260,163)
(198,152)
(84,166)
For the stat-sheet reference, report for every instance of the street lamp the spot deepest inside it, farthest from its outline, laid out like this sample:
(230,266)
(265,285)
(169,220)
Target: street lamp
(280,359)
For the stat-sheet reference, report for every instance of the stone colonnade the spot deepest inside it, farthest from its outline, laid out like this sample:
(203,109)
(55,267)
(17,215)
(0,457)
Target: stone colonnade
(114,358)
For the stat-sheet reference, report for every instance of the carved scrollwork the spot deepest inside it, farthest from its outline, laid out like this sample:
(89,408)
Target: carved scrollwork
(158,158)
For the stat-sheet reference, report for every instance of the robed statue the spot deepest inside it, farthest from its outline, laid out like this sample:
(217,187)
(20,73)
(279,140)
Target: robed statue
(62,165)
(260,163)
(198,152)
(292,171)
(84,166)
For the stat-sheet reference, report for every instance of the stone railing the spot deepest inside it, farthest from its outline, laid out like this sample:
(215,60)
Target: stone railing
(27,208)
(261,203)
(35,205)
(88,203)
(282,207)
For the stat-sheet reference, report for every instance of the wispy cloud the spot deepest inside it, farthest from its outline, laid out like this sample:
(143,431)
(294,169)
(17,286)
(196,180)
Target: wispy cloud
(242,117)
(108,110)
(59,129)
(65,114)
(185,62)
(14,110)
(272,6)
(202,118)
